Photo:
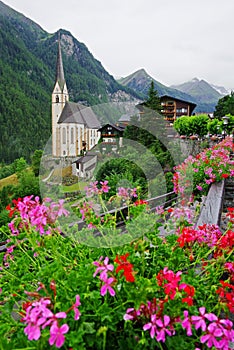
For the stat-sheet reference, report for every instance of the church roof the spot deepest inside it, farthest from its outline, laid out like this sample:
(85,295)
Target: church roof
(79,114)
(59,68)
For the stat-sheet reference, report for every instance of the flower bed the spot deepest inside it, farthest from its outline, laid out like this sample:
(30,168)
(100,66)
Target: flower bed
(175,292)
(195,174)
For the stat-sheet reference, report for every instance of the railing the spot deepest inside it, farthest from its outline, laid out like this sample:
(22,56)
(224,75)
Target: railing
(121,213)
(212,208)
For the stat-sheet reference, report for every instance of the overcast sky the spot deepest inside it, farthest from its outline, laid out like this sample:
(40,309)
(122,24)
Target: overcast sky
(174,40)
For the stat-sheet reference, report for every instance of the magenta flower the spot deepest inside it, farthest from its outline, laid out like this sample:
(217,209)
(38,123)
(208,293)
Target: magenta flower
(57,334)
(151,326)
(107,286)
(92,189)
(213,331)
(123,192)
(104,187)
(199,321)
(131,314)
(76,311)
(60,208)
(187,324)
(33,332)
(103,267)
(163,323)
(199,188)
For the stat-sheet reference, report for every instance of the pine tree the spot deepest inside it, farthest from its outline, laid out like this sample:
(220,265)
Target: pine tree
(153,101)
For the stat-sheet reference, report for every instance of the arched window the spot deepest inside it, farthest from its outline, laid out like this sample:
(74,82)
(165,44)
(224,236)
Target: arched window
(72,136)
(64,136)
(57,99)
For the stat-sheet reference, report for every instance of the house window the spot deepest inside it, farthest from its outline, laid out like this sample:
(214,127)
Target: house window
(64,136)
(72,136)
(57,99)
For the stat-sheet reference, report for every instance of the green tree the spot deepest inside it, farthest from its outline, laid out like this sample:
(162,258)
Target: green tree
(153,100)
(225,106)
(20,165)
(36,160)
(194,125)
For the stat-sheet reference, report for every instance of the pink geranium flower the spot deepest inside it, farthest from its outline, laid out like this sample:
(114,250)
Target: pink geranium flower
(57,334)
(199,321)
(213,331)
(103,267)
(76,311)
(163,330)
(151,326)
(104,187)
(107,286)
(187,323)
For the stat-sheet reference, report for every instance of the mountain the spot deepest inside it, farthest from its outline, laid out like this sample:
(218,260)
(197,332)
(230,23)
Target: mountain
(140,81)
(204,94)
(27,75)
(221,90)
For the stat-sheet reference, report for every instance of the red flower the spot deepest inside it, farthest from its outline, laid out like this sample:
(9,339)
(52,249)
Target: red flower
(230,214)
(15,208)
(140,202)
(224,176)
(226,296)
(169,281)
(227,241)
(190,291)
(188,235)
(126,266)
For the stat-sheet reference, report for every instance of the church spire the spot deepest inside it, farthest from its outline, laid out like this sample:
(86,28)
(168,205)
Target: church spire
(59,67)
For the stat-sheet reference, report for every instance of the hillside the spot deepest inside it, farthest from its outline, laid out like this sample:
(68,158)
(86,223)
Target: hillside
(140,80)
(27,73)
(205,95)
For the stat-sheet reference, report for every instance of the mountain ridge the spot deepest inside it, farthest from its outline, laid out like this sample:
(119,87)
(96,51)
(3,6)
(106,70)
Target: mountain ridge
(201,91)
(140,81)
(196,90)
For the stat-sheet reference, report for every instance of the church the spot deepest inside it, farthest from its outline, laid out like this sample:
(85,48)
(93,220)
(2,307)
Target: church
(74,126)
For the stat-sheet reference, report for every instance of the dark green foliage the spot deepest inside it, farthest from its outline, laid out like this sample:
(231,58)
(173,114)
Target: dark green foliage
(149,130)
(121,173)
(153,101)
(28,185)
(225,106)
(36,160)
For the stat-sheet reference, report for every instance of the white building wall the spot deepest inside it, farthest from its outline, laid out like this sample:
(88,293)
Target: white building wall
(59,99)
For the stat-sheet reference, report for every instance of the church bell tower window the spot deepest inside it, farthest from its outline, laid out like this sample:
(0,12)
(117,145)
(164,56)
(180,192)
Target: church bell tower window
(57,99)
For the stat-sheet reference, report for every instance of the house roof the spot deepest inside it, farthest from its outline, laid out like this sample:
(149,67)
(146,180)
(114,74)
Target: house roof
(86,158)
(118,128)
(79,114)
(193,105)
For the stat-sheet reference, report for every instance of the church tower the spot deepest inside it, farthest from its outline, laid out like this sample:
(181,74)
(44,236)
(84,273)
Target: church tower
(59,98)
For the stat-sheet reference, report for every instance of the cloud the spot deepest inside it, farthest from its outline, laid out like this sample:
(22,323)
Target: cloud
(170,39)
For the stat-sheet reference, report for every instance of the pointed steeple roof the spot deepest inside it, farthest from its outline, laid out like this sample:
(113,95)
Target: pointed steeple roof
(59,67)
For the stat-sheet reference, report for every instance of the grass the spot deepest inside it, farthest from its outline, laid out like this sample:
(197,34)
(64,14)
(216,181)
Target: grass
(10,180)
(76,187)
